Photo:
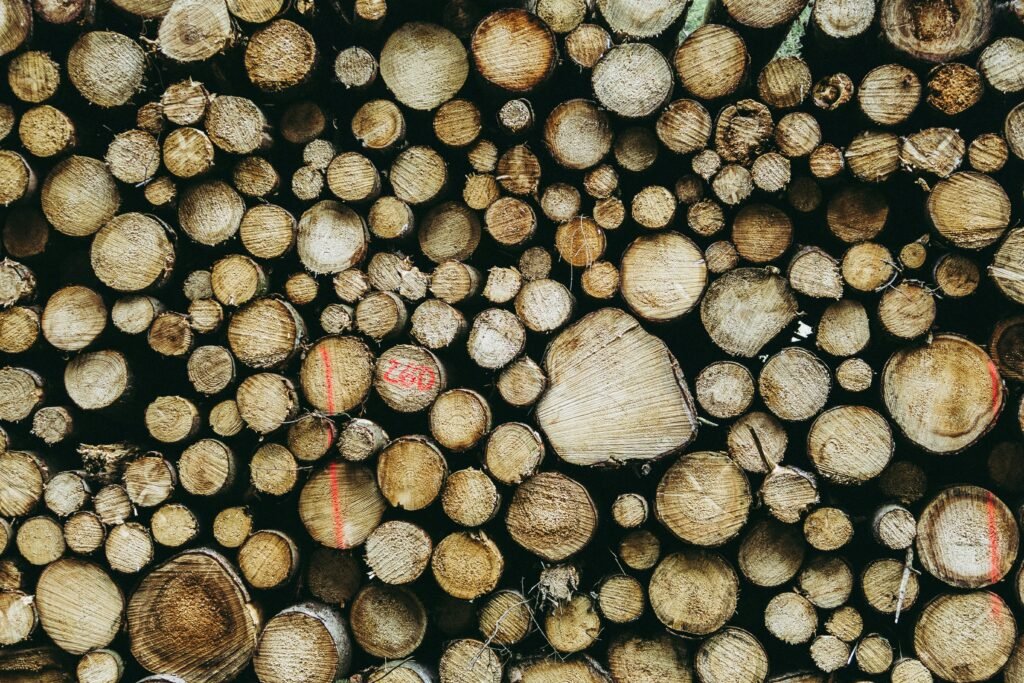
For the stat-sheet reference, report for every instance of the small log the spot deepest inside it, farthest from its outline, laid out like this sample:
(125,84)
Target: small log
(827,581)
(80,607)
(410,472)
(106,67)
(694,591)
(424,65)
(273,69)
(388,621)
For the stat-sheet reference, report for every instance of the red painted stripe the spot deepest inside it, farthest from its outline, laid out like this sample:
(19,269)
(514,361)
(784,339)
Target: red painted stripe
(339,529)
(328,377)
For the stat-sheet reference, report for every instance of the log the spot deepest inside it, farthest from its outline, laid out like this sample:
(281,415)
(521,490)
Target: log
(622,430)
(935,34)
(693,591)
(971,654)
(997,541)
(388,621)
(745,308)
(224,627)
(952,424)
(551,516)
(421,78)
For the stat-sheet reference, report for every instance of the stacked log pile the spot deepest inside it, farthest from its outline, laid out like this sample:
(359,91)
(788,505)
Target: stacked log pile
(466,341)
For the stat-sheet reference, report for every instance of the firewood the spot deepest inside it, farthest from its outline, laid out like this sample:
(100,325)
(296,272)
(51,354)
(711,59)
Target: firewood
(712,62)
(868,267)
(398,552)
(100,666)
(974,652)
(232,526)
(873,155)
(586,44)
(907,310)
(842,22)
(80,607)
(568,521)
(423,81)
(988,153)
(106,67)
(934,150)
(268,559)
(112,504)
(814,273)
(468,657)
(724,389)
(128,548)
(467,564)
(829,653)
(949,34)
(272,69)
(506,618)
(225,606)
(757,442)
(828,528)
(149,480)
(584,670)
(25,233)
(833,91)
(513,453)
(173,525)
(788,493)
(636,149)
(191,31)
(791,618)
(388,621)
(207,467)
(954,88)
(53,424)
(520,65)
(40,540)
(324,644)
(572,626)
(830,439)
(794,384)
(694,591)
(342,357)
(826,161)
(960,506)
(761,233)
(79,196)
(854,374)
(910,670)
(133,156)
(827,581)
(981,392)
(273,470)
(889,94)
(696,512)
(845,623)
(894,527)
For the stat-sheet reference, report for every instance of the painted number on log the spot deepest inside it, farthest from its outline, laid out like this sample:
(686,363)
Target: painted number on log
(410,375)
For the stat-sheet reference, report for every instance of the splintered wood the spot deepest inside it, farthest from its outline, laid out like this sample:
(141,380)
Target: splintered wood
(511,341)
